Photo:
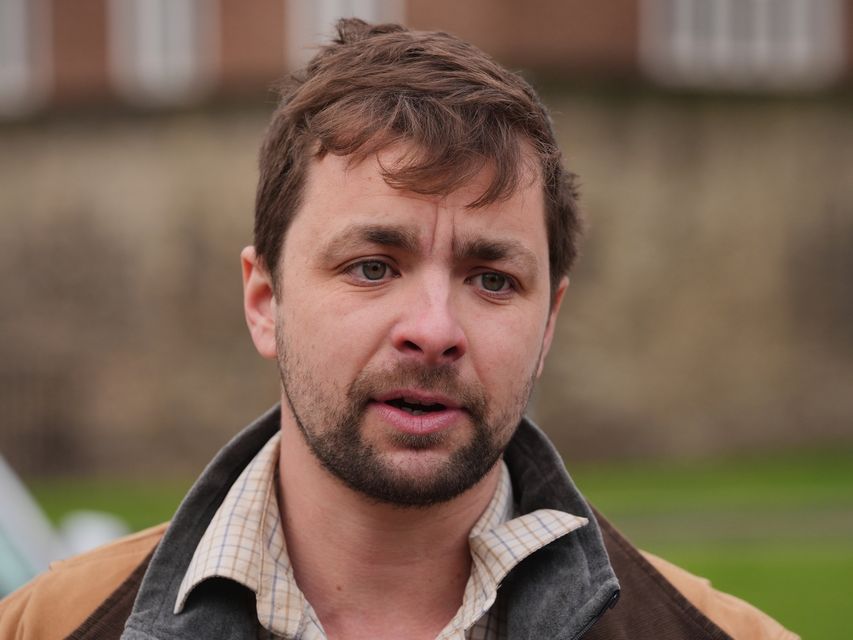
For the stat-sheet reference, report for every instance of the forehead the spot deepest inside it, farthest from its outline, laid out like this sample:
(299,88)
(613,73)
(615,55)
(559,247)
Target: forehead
(340,192)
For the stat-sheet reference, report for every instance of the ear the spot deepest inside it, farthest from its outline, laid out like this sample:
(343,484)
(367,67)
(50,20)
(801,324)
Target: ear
(259,302)
(552,322)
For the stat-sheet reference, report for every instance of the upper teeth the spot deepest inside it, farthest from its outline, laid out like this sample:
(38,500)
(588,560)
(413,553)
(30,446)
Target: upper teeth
(415,407)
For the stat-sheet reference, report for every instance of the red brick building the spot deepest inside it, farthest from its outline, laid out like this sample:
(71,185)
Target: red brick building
(165,52)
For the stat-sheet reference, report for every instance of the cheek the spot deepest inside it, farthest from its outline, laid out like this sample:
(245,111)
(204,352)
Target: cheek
(335,331)
(506,352)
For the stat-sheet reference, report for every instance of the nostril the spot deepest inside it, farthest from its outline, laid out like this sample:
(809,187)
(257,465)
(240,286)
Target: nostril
(432,342)
(411,346)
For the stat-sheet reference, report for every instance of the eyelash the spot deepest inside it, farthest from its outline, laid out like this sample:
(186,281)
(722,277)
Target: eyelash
(364,281)
(511,284)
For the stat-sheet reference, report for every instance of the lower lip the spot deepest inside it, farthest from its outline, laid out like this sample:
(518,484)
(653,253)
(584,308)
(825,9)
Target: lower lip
(430,422)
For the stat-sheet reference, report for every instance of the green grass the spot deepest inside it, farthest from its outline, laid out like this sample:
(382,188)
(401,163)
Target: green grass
(780,482)
(806,587)
(776,531)
(140,504)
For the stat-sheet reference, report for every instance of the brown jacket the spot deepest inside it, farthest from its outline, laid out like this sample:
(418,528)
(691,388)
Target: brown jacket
(566,590)
(57,603)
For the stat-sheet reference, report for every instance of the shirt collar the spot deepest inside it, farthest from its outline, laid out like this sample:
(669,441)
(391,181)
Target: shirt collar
(245,543)
(498,542)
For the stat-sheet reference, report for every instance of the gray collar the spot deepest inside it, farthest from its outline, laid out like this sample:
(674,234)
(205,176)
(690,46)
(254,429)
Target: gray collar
(555,593)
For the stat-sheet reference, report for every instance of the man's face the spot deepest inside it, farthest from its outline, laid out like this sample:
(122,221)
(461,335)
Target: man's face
(410,329)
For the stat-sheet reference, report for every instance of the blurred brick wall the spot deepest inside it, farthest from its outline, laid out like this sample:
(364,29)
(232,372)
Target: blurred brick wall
(79,48)
(252,49)
(246,50)
(848,35)
(547,35)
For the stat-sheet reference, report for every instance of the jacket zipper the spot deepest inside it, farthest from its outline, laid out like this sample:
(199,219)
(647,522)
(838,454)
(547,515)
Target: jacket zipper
(611,602)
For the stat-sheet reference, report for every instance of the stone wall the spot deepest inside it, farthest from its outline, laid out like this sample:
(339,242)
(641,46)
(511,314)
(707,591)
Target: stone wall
(712,311)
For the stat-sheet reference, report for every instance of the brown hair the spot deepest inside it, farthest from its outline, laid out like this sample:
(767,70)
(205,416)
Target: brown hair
(456,107)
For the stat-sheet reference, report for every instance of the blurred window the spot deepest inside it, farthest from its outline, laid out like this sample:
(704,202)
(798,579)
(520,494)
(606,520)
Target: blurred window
(23,43)
(162,51)
(311,22)
(785,44)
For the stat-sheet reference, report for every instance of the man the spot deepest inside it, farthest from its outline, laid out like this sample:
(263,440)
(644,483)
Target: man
(414,230)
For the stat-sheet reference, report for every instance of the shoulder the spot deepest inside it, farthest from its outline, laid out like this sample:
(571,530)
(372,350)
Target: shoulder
(736,617)
(57,602)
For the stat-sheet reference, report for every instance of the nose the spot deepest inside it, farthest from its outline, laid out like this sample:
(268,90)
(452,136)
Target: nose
(428,328)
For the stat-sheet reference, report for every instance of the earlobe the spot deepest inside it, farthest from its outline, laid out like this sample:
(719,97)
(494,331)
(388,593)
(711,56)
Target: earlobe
(259,302)
(552,322)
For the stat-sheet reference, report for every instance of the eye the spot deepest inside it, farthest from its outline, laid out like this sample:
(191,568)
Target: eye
(370,271)
(493,283)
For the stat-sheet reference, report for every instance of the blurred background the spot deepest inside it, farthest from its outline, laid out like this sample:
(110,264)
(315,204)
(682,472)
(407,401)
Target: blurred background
(701,385)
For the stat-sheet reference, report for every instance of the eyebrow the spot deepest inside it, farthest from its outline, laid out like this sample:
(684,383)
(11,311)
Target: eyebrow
(401,237)
(382,235)
(494,250)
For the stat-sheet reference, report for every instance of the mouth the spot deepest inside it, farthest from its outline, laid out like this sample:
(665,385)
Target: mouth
(416,401)
(417,411)
(415,408)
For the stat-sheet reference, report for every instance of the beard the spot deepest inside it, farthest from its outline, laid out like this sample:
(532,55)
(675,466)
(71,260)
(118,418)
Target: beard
(334,431)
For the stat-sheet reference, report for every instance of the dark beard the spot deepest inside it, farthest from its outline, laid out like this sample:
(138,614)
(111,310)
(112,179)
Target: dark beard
(342,450)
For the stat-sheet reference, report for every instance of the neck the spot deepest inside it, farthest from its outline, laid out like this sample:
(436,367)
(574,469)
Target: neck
(371,569)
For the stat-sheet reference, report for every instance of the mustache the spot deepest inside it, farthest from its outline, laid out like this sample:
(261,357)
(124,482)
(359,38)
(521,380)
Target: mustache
(443,379)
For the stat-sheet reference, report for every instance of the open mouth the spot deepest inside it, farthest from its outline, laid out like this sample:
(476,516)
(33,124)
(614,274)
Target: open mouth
(418,411)
(415,408)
